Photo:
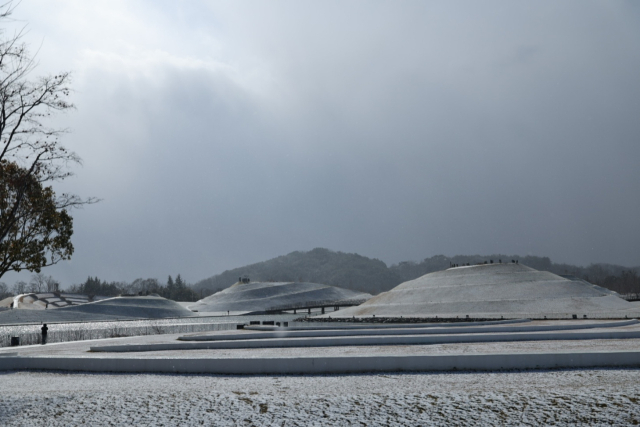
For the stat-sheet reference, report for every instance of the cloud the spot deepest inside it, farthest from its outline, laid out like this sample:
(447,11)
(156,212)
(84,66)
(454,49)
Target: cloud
(226,133)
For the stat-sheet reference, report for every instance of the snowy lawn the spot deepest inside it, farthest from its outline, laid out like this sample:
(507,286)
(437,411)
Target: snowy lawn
(562,397)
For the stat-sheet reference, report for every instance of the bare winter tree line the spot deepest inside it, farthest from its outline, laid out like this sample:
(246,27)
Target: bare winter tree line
(176,289)
(39,283)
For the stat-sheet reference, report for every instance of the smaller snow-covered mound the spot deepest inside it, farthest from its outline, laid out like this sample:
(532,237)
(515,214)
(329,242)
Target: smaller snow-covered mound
(118,308)
(263,296)
(149,307)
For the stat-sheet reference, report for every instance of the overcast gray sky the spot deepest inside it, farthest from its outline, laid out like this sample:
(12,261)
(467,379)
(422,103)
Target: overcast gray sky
(225,133)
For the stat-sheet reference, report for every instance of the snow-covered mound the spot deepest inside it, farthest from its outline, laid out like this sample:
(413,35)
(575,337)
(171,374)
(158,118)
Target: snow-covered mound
(145,307)
(139,307)
(490,290)
(263,296)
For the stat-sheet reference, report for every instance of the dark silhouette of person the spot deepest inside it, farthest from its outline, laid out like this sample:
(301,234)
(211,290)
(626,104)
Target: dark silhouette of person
(44,330)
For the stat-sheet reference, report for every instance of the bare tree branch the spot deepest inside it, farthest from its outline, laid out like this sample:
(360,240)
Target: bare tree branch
(34,224)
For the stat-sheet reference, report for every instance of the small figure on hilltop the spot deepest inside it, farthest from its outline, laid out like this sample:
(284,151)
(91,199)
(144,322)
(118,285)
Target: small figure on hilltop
(44,330)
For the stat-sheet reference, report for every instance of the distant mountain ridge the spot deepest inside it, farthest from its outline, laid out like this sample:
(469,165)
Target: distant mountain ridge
(349,271)
(362,274)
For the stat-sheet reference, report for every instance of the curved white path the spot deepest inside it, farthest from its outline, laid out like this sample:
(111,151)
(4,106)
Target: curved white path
(285,333)
(375,340)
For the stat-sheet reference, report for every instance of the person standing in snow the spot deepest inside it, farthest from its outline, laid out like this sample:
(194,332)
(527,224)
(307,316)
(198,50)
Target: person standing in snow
(44,330)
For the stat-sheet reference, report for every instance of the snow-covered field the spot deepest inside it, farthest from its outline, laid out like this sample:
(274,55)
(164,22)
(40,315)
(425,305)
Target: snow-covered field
(564,397)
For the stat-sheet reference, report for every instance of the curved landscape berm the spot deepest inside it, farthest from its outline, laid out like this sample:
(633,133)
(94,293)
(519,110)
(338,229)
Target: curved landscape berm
(499,345)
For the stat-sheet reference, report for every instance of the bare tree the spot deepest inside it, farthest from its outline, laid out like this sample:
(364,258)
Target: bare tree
(20,287)
(38,283)
(4,291)
(52,284)
(32,148)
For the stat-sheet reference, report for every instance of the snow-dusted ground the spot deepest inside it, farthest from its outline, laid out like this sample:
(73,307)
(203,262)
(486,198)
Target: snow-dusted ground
(564,397)
(560,397)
